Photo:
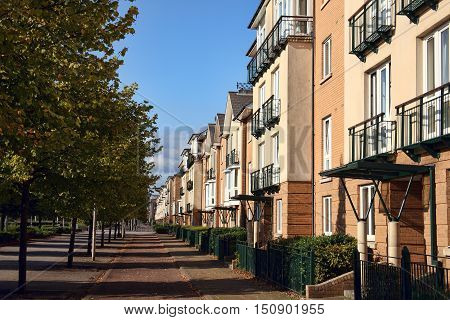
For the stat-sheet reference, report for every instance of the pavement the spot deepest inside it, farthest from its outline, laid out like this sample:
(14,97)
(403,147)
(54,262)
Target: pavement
(144,265)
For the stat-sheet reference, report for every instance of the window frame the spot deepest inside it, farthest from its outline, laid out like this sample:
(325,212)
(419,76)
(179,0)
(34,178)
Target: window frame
(362,212)
(327,217)
(279,216)
(326,57)
(327,156)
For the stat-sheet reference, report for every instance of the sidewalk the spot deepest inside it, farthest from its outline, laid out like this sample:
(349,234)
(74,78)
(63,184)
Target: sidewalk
(212,279)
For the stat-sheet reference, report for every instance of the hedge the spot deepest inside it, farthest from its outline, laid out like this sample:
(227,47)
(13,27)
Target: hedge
(333,255)
(226,233)
(33,233)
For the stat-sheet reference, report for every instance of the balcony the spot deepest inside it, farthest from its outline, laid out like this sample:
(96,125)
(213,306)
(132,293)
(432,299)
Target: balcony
(190,160)
(256,185)
(424,122)
(372,138)
(372,25)
(271,112)
(190,185)
(258,124)
(271,179)
(414,8)
(232,159)
(211,174)
(181,191)
(275,42)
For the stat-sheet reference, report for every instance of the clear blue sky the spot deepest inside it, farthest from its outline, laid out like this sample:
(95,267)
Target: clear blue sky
(185,56)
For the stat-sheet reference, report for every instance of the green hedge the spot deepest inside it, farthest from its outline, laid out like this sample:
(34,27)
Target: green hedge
(162,228)
(226,233)
(33,233)
(333,255)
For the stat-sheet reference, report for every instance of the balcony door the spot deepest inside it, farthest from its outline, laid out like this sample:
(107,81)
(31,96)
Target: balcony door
(436,74)
(379,134)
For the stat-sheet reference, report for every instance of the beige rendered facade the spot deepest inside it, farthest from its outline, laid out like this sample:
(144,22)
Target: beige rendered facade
(280,71)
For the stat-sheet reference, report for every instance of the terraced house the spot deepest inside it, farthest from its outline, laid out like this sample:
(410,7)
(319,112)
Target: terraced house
(280,71)
(209,178)
(395,173)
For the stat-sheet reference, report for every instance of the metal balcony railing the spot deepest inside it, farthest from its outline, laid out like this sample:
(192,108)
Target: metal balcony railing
(270,177)
(425,118)
(211,174)
(256,184)
(232,159)
(372,137)
(285,28)
(414,8)
(271,112)
(190,160)
(372,24)
(258,123)
(190,185)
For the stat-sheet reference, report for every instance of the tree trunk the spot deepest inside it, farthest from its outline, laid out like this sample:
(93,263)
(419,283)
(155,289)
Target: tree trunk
(89,244)
(3,222)
(24,208)
(109,235)
(115,231)
(102,244)
(40,222)
(72,243)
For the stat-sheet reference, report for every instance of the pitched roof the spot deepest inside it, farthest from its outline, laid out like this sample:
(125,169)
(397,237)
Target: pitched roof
(239,100)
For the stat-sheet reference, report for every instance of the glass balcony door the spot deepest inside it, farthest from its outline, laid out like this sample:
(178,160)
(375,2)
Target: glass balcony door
(436,74)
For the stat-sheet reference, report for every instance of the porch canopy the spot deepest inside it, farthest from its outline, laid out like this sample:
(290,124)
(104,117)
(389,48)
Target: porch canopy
(379,172)
(250,198)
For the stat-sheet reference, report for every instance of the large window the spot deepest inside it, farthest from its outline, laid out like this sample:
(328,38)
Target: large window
(276,84)
(326,212)
(366,195)
(436,59)
(261,160)
(262,95)
(279,217)
(326,58)
(380,92)
(327,143)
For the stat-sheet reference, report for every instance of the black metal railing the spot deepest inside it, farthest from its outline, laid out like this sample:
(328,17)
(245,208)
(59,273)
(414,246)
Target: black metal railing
(413,8)
(271,112)
(370,25)
(270,177)
(285,28)
(425,117)
(211,174)
(181,191)
(258,123)
(256,184)
(417,277)
(372,137)
(190,185)
(190,160)
(232,158)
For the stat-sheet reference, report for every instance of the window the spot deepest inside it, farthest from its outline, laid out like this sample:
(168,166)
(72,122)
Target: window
(262,95)
(366,195)
(276,84)
(380,92)
(249,182)
(436,59)
(327,216)
(276,149)
(279,217)
(327,143)
(261,156)
(326,57)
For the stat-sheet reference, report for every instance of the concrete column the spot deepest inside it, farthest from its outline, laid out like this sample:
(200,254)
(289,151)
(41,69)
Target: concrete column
(255,233)
(393,243)
(362,240)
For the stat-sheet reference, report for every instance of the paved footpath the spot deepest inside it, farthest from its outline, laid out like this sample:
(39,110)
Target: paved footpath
(142,266)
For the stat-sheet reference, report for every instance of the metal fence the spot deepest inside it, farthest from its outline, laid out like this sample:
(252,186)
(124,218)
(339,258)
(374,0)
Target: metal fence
(287,267)
(426,280)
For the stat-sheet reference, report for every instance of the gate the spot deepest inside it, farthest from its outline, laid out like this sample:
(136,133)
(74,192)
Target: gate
(410,281)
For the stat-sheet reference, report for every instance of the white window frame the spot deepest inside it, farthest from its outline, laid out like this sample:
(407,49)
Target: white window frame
(276,149)
(364,205)
(326,58)
(327,142)
(261,154)
(437,36)
(279,217)
(327,215)
(262,95)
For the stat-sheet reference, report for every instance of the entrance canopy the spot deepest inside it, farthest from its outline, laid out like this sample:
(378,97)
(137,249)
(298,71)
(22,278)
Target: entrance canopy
(368,170)
(248,198)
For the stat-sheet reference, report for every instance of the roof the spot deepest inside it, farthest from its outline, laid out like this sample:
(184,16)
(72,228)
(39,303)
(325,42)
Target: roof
(380,171)
(239,100)
(261,4)
(243,115)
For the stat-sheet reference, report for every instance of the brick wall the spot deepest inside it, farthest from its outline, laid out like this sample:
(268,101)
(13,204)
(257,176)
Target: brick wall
(331,288)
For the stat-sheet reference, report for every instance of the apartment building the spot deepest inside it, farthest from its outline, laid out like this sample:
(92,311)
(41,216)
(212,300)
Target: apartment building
(209,178)
(393,182)
(233,157)
(280,71)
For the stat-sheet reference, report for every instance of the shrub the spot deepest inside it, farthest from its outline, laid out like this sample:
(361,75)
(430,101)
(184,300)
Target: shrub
(6,237)
(161,229)
(226,233)
(333,255)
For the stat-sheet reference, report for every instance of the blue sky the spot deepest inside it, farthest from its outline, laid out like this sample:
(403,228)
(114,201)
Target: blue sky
(185,56)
